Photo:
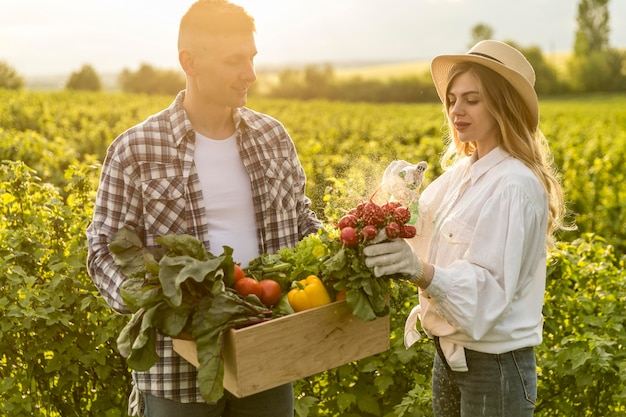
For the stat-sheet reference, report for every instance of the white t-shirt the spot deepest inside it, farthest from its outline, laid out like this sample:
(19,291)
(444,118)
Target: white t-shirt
(227,198)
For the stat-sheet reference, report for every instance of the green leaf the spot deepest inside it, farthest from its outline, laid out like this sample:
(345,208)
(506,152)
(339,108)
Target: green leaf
(303,405)
(345,400)
(172,321)
(183,245)
(129,252)
(138,293)
(360,305)
(144,357)
(129,333)
(211,369)
(175,270)
(384,382)
(336,263)
(368,404)
(143,353)
(213,316)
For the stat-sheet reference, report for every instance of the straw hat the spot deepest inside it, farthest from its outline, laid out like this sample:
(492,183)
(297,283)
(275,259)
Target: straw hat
(498,56)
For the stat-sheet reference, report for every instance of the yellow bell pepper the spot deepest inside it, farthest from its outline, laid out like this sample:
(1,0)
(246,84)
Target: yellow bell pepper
(308,293)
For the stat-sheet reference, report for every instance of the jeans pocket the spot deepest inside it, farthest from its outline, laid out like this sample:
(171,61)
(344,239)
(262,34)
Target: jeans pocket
(526,365)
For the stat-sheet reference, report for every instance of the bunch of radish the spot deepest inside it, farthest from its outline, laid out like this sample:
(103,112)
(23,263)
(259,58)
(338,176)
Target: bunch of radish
(364,222)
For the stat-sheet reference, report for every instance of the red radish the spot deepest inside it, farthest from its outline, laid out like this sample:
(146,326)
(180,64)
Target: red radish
(369,232)
(357,211)
(364,222)
(347,221)
(408,231)
(402,215)
(392,230)
(349,236)
(373,214)
(391,206)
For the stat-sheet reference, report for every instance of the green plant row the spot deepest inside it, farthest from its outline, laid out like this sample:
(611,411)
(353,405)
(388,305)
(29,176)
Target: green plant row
(341,145)
(57,337)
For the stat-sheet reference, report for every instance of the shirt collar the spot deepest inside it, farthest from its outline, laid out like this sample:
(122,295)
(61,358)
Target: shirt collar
(181,126)
(248,117)
(481,166)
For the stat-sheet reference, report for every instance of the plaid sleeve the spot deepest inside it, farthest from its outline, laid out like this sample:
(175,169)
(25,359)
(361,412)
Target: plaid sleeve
(118,203)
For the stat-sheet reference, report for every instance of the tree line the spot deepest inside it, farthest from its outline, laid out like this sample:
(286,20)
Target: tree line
(593,67)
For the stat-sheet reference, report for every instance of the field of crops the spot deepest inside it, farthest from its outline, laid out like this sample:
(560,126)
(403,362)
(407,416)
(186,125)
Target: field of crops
(51,145)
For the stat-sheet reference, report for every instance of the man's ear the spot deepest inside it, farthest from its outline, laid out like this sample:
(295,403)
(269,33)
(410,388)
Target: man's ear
(186,59)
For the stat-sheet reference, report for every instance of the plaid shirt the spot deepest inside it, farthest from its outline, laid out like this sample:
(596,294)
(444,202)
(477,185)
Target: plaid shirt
(149,182)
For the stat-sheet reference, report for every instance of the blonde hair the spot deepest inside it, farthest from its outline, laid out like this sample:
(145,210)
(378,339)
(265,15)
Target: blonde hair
(518,136)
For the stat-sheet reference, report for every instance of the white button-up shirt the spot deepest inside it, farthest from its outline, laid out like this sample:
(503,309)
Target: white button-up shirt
(483,225)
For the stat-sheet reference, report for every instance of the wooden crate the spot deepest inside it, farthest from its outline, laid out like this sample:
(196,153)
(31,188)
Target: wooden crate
(292,347)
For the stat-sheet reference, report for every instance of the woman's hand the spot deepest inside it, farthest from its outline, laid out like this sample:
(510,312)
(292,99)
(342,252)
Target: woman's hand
(394,257)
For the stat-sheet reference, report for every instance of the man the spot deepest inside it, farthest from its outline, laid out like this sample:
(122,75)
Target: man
(209,167)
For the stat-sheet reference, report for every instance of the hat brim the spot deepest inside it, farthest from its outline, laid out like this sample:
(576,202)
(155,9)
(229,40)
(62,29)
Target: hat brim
(441,66)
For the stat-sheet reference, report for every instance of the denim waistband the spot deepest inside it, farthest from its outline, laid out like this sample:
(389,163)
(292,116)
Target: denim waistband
(445,361)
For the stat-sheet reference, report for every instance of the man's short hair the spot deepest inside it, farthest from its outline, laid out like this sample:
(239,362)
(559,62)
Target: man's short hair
(213,17)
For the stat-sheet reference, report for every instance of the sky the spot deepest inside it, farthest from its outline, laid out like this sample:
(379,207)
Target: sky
(43,37)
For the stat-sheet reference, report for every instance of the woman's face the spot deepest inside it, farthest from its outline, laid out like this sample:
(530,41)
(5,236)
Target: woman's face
(469,114)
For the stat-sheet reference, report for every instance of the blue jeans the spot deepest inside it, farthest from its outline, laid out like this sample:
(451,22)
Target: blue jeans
(503,385)
(275,402)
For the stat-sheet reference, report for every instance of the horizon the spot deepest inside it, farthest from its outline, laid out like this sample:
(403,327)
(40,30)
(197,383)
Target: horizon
(40,38)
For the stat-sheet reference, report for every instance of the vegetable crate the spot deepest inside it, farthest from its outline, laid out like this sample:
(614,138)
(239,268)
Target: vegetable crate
(288,348)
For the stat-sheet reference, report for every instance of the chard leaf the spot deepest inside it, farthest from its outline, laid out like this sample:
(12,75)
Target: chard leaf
(211,369)
(172,321)
(144,358)
(184,245)
(129,252)
(225,309)
(175,270)
(146,324)
(214,316)
(138,293)
(143,352)
(129,333)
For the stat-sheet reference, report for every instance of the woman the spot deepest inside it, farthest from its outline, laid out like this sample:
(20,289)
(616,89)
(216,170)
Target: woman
(479,258)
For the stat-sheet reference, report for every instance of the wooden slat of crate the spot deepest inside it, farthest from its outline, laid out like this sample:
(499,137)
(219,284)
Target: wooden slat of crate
(296,346)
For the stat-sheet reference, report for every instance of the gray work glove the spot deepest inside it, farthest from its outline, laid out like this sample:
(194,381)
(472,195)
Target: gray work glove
(389,257)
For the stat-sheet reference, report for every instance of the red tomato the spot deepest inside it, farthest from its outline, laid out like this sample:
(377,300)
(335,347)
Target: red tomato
(239,273)
(246,286)
(271,292)
(341,295)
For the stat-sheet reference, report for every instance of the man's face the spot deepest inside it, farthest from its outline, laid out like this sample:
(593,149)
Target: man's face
(224,69)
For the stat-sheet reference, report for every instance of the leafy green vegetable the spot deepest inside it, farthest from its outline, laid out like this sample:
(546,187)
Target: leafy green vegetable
(184,289)
(178,289)
(366,294)
(339,267)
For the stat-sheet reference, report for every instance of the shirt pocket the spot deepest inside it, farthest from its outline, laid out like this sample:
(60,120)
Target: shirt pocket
(164,205)
(280,184)
(456,232)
